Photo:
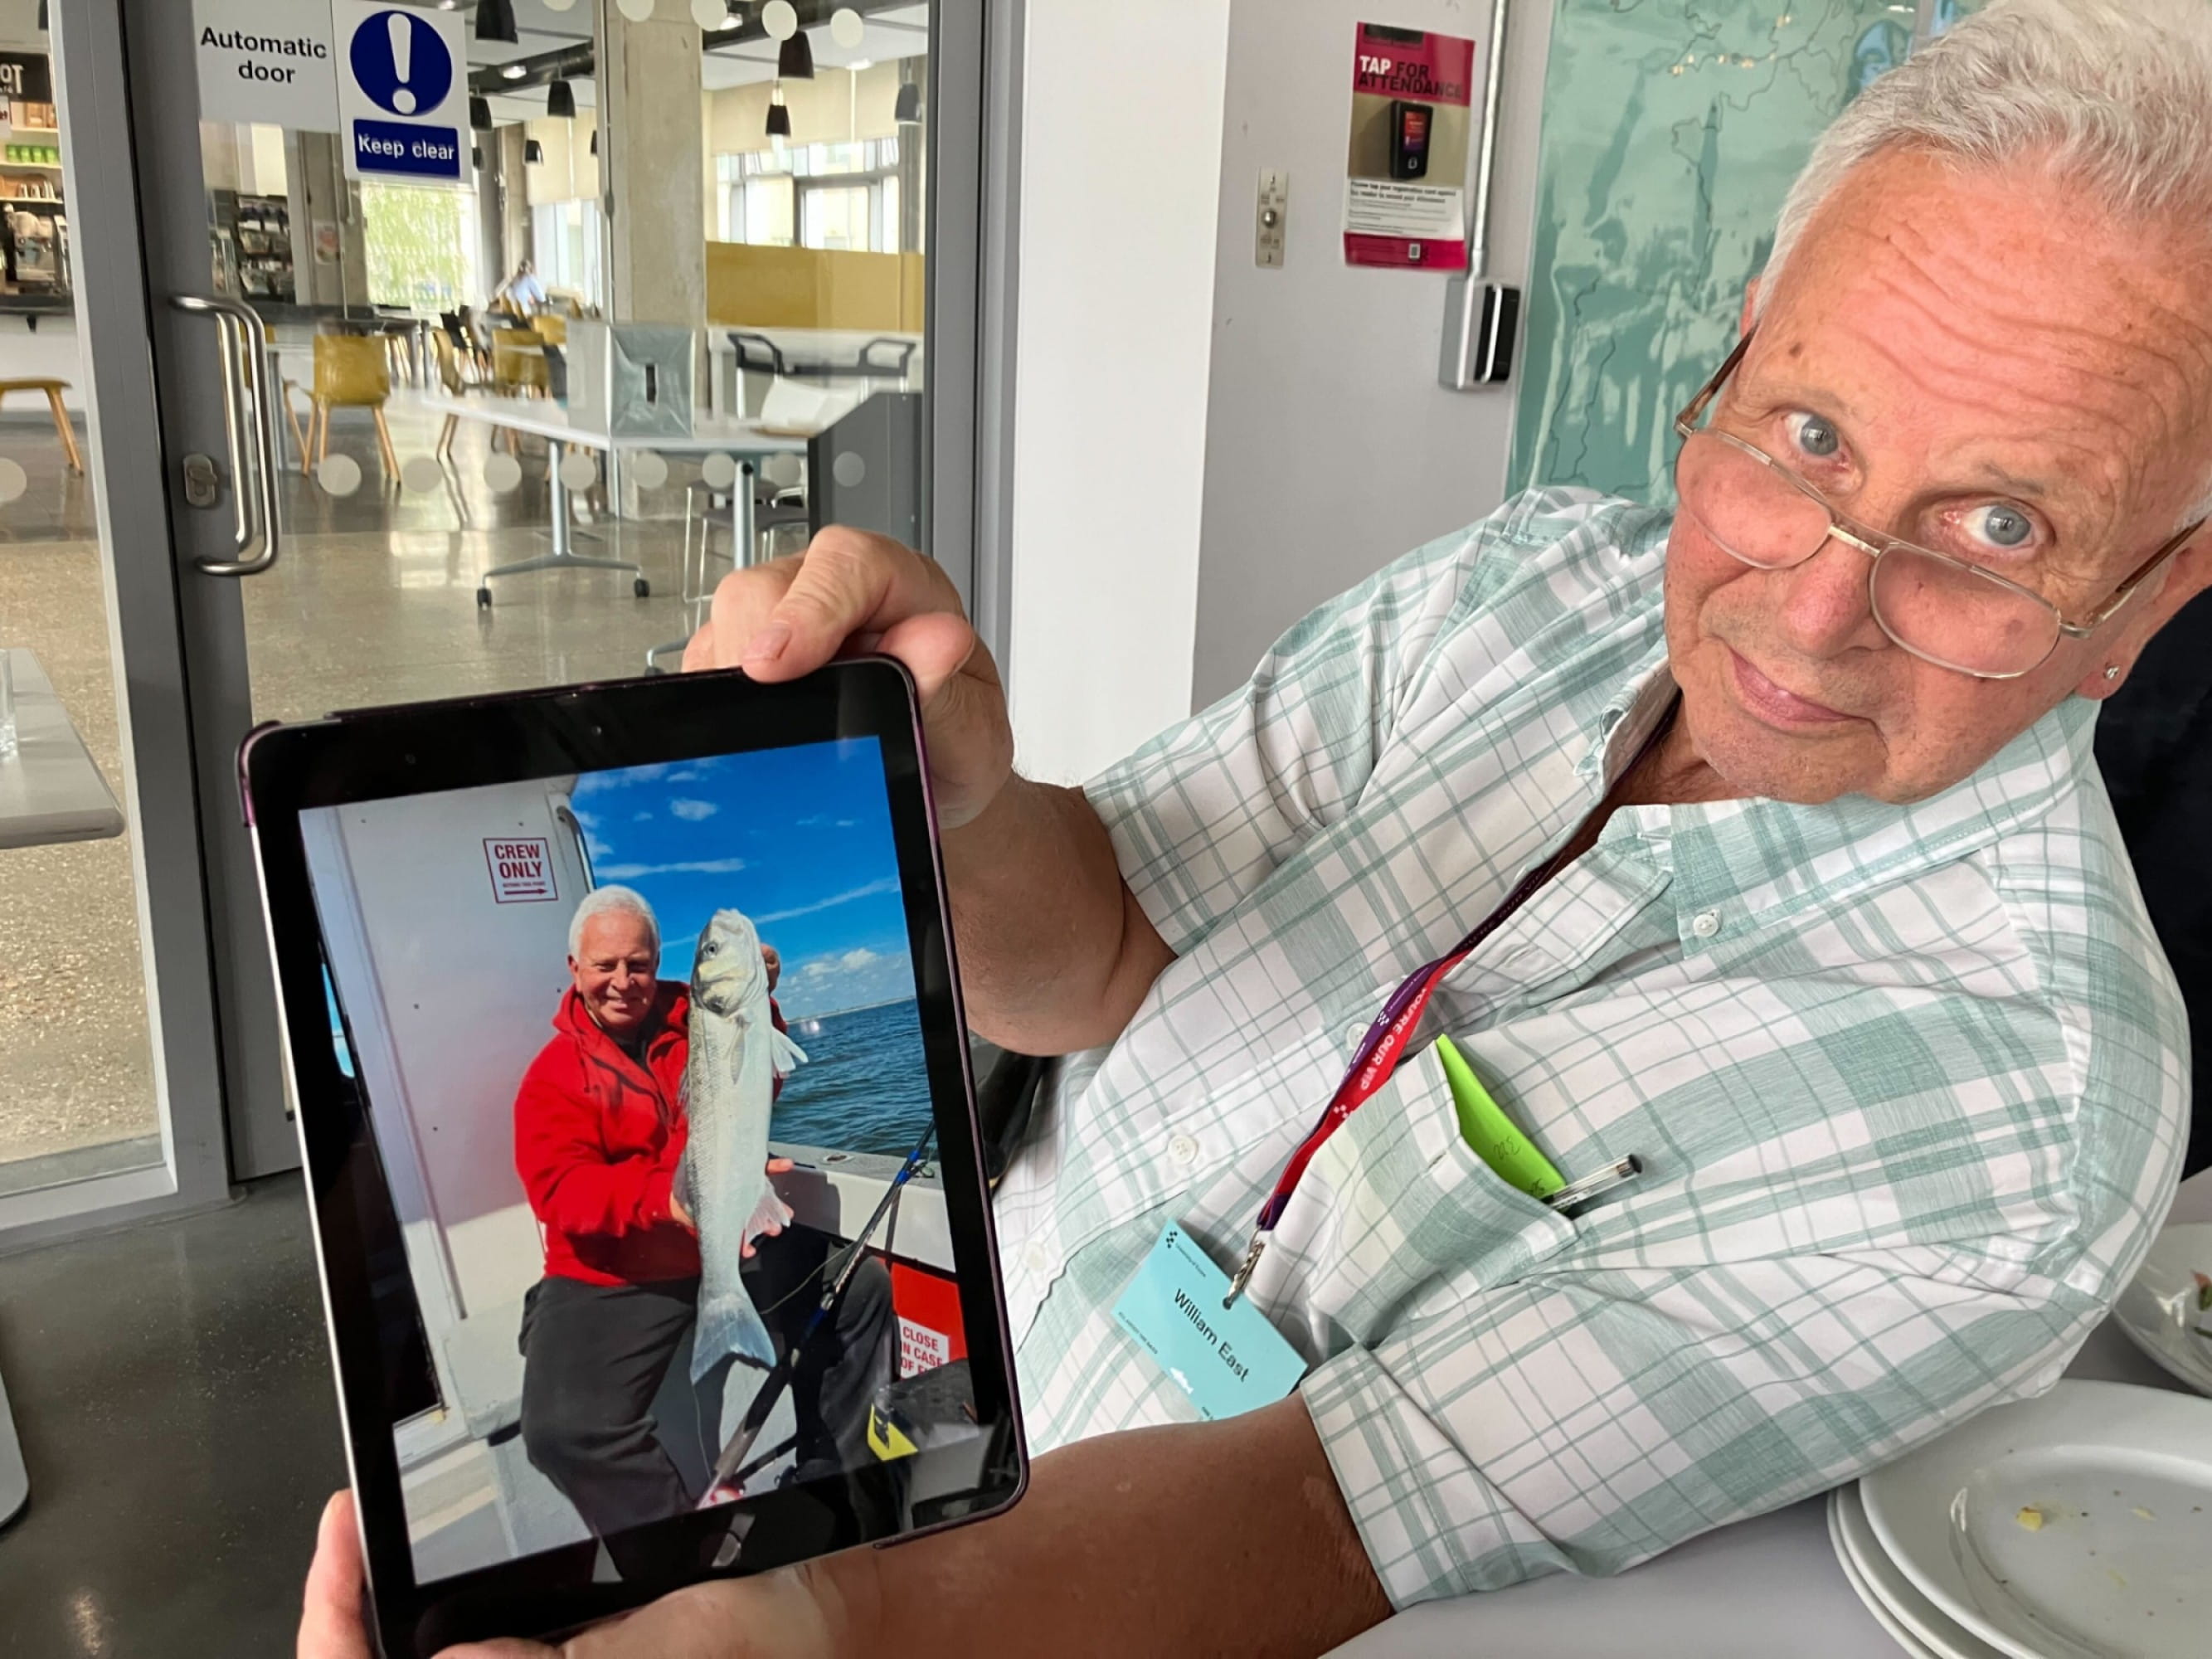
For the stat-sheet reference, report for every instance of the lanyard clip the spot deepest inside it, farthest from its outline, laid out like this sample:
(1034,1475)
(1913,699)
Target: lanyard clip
(1244,1275)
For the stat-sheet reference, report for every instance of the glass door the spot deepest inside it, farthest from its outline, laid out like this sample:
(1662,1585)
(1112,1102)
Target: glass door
(470,379)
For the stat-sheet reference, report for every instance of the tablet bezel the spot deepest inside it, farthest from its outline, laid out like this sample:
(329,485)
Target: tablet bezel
(466,743)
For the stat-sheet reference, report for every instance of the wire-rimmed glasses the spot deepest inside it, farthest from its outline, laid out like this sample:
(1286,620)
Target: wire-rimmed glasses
(1942,609)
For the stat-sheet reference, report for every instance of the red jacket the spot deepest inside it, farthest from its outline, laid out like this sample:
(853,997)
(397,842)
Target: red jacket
(597,1136)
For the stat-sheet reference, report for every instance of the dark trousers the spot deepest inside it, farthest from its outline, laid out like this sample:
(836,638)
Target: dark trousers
(594,1357)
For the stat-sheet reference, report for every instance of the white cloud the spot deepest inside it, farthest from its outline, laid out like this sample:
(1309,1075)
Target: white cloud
(693,811)
(858,978)
(642,818)
(888,884)
(681,867)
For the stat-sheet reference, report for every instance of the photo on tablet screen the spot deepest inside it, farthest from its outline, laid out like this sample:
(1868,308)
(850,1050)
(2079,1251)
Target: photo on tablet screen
(609,1029)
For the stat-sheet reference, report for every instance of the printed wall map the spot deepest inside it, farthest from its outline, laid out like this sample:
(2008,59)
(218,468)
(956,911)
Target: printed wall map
(1672,131)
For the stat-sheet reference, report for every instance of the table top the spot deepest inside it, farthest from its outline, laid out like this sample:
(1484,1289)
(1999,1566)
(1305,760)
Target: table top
(544,417)
(1761,1587)
(50,789)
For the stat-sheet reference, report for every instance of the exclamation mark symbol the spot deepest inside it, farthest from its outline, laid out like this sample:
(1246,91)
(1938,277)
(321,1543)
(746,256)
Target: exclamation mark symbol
(402,38)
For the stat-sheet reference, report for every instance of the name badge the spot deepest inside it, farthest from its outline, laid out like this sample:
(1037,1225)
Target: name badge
(1229,1360)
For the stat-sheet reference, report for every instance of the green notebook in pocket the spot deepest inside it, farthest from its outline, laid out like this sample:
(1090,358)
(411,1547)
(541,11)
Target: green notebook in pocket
(1511,1155)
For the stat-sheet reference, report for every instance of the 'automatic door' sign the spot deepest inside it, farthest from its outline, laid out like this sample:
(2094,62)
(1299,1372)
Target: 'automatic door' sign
(401,94)
(265,61)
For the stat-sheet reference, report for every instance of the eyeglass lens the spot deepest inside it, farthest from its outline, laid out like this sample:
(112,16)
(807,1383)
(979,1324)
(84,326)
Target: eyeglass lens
(1952,614)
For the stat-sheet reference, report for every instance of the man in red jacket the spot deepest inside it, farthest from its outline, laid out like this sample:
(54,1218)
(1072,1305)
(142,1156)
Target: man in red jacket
(598,1129)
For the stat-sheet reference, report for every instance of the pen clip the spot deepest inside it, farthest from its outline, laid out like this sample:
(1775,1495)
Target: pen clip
(1596,1184)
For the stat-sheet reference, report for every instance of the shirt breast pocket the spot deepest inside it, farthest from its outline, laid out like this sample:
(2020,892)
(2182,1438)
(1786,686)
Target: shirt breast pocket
(1395,1217)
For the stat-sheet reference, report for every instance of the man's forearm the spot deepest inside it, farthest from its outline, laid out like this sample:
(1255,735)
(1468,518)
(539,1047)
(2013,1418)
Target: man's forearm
(1206,1538)
(1054,953)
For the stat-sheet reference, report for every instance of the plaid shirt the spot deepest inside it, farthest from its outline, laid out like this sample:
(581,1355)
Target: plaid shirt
(1908,1084)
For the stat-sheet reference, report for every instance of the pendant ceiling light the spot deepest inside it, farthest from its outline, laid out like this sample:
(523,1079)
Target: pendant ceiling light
(908,110)
(532,152)
(794,59)
(560,101)
(480,114)
(496,21)
(779,115)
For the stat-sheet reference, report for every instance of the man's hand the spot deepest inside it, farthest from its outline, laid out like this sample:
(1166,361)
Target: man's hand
(789,1615)
(852,592)
(773,964)
(1225,1537)
(771,1218)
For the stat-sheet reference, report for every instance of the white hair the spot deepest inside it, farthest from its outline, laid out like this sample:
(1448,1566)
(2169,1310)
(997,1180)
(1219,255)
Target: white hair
(2116,95)
(602,900)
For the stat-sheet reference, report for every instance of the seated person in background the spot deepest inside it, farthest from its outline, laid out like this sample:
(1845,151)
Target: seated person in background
(1822,912)
(521,294)
(599,1131)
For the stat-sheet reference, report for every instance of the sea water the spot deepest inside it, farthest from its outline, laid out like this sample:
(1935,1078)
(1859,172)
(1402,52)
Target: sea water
(863,1088)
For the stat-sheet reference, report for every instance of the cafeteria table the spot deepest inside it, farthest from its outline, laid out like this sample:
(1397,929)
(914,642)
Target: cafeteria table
(546,418)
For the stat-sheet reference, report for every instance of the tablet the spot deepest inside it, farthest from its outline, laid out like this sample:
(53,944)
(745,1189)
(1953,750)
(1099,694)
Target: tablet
(625,1043)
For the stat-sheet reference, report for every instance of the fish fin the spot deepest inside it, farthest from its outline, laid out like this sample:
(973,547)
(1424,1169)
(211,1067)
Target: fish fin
(770,1211)
(729,1324)
(783,1054)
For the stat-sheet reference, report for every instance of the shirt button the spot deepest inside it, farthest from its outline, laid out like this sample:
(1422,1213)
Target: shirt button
(1705,923)
(1355,1034)
(1037,1259)
(1182,1149)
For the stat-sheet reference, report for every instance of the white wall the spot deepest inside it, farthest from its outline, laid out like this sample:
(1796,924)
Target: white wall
(1330,446)
(1120,156)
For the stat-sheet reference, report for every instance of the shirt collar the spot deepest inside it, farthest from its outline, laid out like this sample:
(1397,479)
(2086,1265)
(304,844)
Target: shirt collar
(1744,858)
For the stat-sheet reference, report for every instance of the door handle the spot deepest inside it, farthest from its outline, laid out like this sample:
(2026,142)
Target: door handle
(246,407)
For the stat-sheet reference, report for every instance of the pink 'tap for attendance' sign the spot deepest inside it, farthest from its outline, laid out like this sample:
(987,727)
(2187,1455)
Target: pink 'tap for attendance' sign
(521,871)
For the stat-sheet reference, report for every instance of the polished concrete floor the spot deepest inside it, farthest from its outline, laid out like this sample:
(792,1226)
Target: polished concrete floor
(373,600)
(172,1389)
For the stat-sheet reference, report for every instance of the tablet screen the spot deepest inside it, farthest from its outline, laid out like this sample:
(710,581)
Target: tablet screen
(641,1060)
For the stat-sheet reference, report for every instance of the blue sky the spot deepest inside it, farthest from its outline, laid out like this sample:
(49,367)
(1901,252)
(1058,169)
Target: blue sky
(798,839)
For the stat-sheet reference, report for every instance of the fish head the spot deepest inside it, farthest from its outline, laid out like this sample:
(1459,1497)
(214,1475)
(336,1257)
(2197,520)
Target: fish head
(727,972)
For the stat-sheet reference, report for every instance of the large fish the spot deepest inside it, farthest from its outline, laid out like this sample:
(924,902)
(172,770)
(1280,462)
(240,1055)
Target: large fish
(721,1181)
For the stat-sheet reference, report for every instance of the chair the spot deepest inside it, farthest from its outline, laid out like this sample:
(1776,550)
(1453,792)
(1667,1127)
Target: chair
(773,509)
(454,374)
(62,427)
(553,330)
(351,372)
(518,362)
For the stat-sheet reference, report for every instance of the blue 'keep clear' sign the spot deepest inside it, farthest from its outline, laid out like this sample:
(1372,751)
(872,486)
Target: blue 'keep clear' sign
(402,97)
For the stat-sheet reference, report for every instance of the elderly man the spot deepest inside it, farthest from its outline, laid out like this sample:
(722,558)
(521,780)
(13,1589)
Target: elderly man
(1798,884)
(599,1131)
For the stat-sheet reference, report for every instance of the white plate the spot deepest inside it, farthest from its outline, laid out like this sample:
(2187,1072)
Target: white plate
(1898,1633)
(2159,1313)
(1876,1579)
(2122,1480)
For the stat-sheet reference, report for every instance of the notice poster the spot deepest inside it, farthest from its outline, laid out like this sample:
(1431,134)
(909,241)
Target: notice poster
(1404,196)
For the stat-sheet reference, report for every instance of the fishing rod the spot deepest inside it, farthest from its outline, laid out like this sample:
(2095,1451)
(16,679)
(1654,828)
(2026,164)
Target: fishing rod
(832,1292)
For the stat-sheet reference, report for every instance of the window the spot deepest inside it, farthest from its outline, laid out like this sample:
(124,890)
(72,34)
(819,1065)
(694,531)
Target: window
(421,245)
(818,196)
(564,240)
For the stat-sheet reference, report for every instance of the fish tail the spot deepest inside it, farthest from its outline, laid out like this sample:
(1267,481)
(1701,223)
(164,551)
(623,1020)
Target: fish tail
(729,1324)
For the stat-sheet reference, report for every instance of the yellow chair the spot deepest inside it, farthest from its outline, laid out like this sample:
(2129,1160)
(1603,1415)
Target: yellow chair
(62,428)
(518,360)
(553,331)
(351,372)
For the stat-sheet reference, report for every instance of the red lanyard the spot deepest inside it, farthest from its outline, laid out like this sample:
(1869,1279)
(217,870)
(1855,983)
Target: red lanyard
(1375,1060)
